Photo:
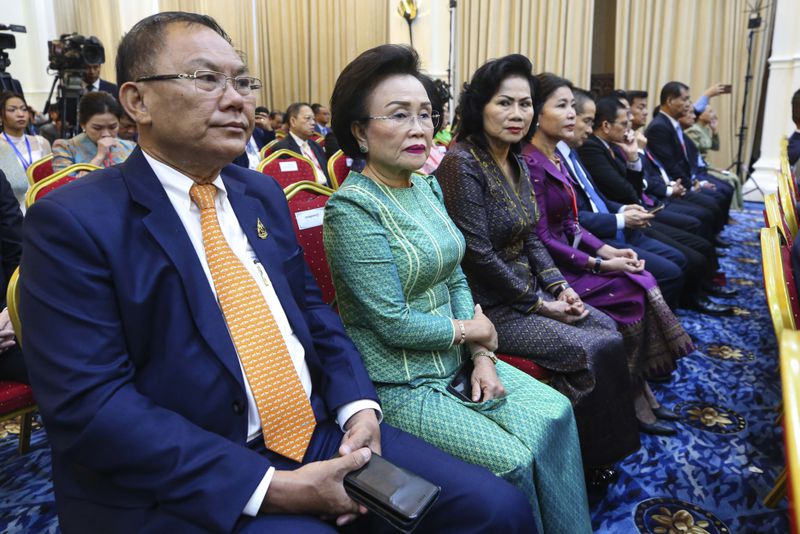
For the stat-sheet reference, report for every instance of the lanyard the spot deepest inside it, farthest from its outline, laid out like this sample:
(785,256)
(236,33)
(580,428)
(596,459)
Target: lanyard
(25,163)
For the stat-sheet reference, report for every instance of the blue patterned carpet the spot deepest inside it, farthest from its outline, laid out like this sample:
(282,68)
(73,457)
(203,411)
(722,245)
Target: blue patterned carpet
(713,476)
(710,479)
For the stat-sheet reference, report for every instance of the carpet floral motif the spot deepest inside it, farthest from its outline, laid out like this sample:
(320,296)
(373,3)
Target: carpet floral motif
(727,353)
(711,417)
(673,516)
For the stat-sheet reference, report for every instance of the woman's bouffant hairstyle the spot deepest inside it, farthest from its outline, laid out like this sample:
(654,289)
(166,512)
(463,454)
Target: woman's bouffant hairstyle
(357,81)
(95,103)
(544,84)
(482,87)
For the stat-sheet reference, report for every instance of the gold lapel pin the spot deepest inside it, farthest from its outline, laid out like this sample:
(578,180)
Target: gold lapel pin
(262,232)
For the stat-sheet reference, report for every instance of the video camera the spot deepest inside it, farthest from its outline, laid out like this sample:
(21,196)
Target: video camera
(74,52)
(8,41)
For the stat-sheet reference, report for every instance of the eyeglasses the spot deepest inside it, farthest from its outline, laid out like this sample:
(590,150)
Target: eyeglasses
(401,119)
(210,81)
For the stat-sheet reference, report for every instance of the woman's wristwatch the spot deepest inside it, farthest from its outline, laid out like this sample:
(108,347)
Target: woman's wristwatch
(560,289)
(597,262)
(486,353)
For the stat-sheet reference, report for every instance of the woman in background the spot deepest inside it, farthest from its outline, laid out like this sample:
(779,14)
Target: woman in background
(536,313)
(18,150)
(394,255)
(610,279)
(98,116)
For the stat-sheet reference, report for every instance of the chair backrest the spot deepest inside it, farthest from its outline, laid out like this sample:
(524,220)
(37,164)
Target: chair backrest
(280,134)
(318,138)
(790,382)
(307,205)
(787,200)
(267,149)
(775,283)
(338,168)
(288,167)
(12,302)
(64,176)
(40,169)
(773,216)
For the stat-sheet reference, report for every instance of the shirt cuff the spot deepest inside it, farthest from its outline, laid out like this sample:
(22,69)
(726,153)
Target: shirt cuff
(669,190)
(701,104)
(347,411)
(254,504)
(620,221)
(635,165)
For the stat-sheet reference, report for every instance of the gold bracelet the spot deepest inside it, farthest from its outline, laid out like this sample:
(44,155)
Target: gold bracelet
(463,332)
(486,353)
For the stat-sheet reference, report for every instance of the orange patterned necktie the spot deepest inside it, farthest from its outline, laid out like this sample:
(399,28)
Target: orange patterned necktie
(287,420)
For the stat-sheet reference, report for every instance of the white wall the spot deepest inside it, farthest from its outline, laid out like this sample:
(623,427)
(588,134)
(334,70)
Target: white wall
(431,31)
(783,81)
(29,59)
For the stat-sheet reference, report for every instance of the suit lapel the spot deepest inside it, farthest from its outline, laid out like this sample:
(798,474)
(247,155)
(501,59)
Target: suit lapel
(167,229)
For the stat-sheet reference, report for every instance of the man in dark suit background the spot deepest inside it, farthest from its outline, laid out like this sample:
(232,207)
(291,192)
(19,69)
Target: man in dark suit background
(665,142)
(609,158)
(616,224)
(300,118)
(93,82)
(322,119)
(794,139)
(12,364)
(136,334)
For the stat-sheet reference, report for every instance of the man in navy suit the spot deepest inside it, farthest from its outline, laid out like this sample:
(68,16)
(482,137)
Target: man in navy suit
(322,119)
(793,149)
(300,118)
(619,170)
(153,425)
(93,82)
(665,142)
(617,224)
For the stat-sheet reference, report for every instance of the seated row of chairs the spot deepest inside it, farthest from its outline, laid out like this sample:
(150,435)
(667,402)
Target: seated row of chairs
(780,287)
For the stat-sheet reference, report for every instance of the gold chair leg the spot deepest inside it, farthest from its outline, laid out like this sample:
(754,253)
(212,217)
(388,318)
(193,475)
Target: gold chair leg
(778,492)
(25,425)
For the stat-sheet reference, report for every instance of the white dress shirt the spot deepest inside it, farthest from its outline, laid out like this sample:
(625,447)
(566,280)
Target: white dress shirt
(177,187)
(305,149)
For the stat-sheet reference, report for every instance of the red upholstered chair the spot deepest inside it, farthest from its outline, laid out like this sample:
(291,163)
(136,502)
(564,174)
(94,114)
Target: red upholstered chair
(16,399)
(791,283)
(527,366)
(288,168)
(307,205)
(268,148)
(338,168)
(64,176)
(40,169)
(318,138)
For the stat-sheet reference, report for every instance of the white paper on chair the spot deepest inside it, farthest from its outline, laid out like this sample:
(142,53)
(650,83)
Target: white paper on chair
(309,218)
(288,166)
(349,162)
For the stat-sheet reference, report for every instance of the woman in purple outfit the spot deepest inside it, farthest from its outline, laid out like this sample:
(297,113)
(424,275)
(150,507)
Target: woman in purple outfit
(610,279)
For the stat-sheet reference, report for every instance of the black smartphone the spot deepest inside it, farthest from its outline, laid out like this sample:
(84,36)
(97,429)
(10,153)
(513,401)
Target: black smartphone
(399,496)
(657,208)
(461,385)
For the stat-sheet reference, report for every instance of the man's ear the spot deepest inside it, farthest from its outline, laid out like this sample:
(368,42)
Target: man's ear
(132,101)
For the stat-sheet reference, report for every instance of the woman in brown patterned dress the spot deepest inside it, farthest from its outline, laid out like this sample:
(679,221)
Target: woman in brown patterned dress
(511,274)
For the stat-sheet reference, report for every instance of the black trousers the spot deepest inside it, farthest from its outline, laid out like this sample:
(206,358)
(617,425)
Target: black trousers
(700,254)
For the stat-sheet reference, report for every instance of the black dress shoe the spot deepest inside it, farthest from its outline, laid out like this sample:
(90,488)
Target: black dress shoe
(722,292)
(721,243)
(599,478)
(708,307)
(657,429)
(662,412)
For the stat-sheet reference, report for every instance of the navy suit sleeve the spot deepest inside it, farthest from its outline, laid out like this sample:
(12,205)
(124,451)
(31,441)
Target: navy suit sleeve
(794,148)
(90,392)
(661,142)
(10,232)
(608,180)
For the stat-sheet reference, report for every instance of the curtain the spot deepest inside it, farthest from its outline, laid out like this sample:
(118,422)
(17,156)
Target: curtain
(100,18)
(698,43)
(555,34)
(307,43)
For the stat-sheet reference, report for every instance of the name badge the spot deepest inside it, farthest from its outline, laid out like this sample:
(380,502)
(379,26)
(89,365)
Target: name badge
(287,166)
(309,218)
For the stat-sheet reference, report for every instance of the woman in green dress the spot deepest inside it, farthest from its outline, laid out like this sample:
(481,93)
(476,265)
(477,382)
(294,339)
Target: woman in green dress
(394,254)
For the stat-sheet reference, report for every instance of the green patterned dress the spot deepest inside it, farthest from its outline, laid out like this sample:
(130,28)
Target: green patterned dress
(394,255)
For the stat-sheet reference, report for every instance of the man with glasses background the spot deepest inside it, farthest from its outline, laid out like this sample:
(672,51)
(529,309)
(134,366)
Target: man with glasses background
(301,127)
(190,377)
